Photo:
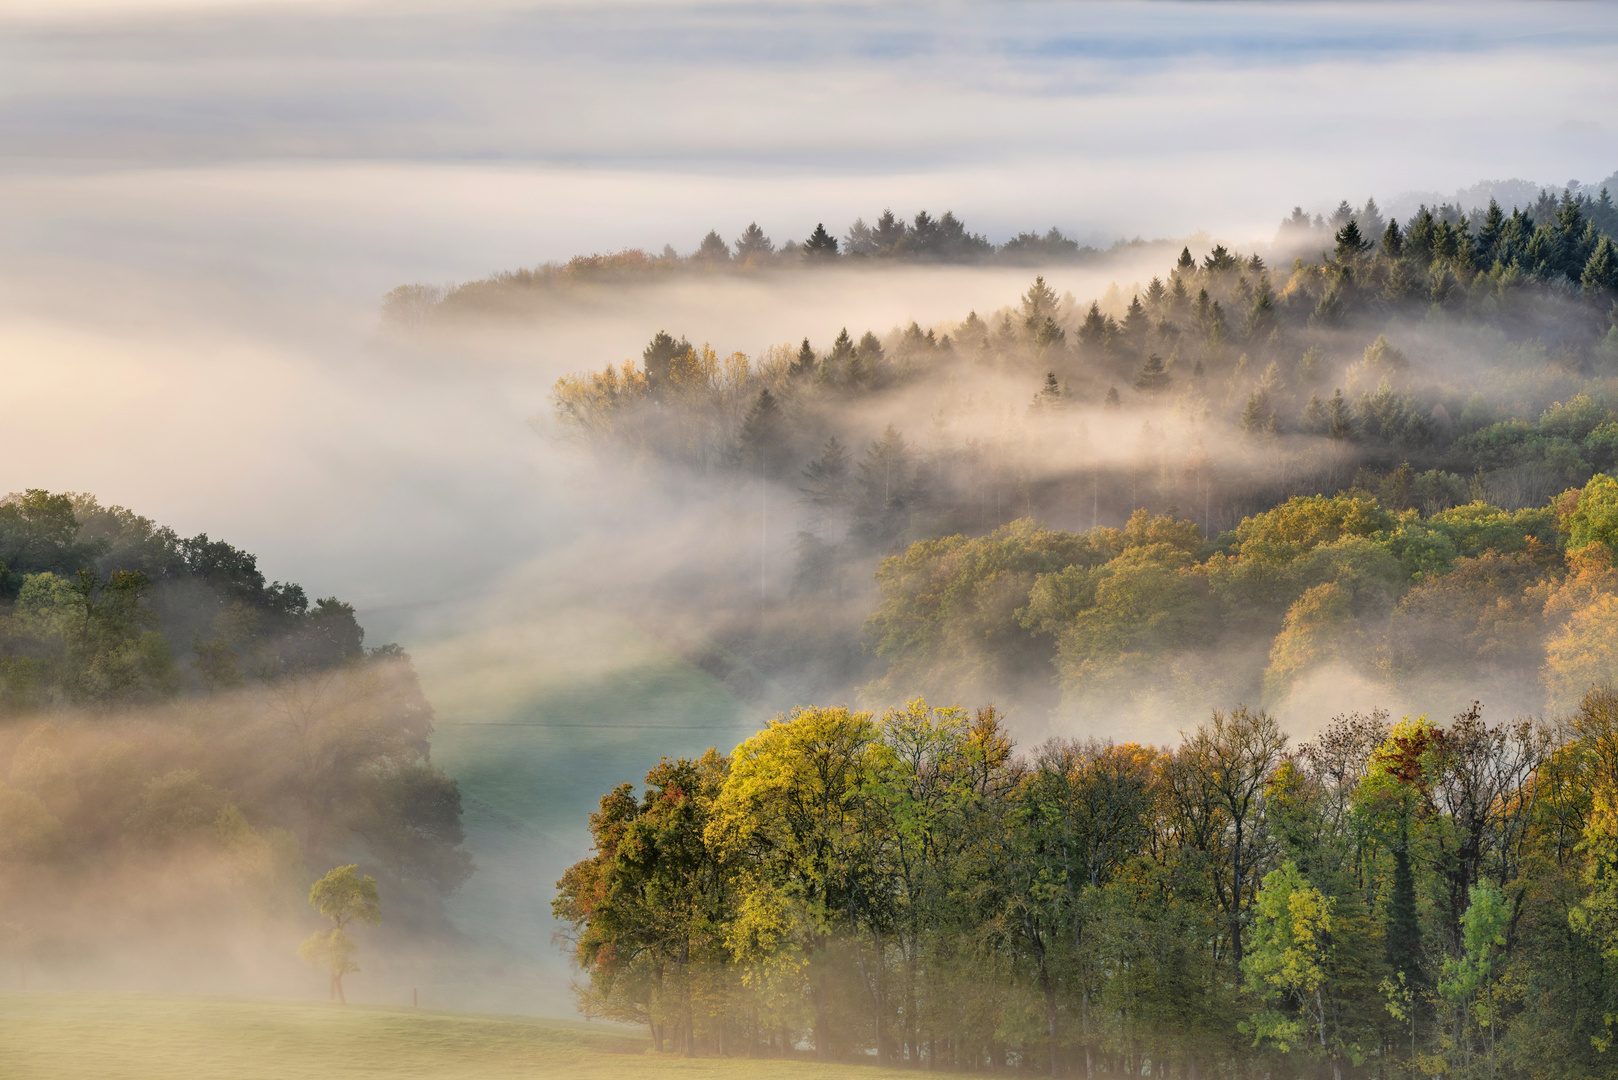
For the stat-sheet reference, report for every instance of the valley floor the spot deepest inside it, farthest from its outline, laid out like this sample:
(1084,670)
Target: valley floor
(50,1036)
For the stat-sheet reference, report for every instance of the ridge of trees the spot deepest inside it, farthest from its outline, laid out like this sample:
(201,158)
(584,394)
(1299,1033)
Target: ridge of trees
(278,741)
(1386,899)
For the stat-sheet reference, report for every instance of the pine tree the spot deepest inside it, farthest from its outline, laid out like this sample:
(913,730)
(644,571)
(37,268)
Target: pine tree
(1153,378)
(753,244)
(713,249)
(1340,422)
(888,234)
(826,482)
(1350,245)
(658,358)
(804,362)
(1258,417)
(860,240)
(1371,221)
(1261,316)
(1038,303)
(1403,932)
(1314,420)
(1050,395)
(821,244)
(1393,241)
(762,439)
(1488,237)
(1135,324)
(1093,331)
(1601,269)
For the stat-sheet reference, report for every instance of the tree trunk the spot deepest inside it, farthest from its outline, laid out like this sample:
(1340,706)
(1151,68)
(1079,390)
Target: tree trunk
(1050,1023)
(820,1023)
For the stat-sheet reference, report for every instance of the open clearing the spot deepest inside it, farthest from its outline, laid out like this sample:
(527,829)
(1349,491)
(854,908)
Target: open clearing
(49,1036)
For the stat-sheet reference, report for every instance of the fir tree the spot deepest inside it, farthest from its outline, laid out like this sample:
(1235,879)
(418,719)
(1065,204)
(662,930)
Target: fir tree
(821,244)
(1601,269)
(804,362)
(1314,420)
(1339,421)
(1156,293)
(1038,303)
(658,358)
(761,441)
(1393,241)
(713,249)
(1186,265)
(753,244)
(1153,378)
(1350,245)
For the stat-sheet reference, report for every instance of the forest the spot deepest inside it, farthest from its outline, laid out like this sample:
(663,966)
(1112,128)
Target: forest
(185,746)
(1384,470)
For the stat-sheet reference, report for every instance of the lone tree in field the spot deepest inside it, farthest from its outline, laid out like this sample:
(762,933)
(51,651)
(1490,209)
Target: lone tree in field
(341,896)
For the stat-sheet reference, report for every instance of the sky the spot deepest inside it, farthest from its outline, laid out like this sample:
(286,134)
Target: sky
(205,201)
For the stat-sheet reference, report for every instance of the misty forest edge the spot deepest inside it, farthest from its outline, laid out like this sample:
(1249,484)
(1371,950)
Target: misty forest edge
(1387,898)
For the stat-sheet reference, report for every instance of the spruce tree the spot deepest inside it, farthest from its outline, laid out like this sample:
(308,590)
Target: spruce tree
(753,244)
(888,234)
(713,249)
(1112,401)
(1393,241)
(1350,244)
(1403,932)
(1340,422)
(1314,420)
(804,362)
(1153,378)
(658,358)
(1601,269)
(762,439)
(821,245)
(1156,293)
(1186,265)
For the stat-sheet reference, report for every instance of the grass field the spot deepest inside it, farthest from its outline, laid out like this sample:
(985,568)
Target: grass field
(134,1037)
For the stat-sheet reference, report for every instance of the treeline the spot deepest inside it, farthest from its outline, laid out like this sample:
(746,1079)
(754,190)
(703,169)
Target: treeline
(889,239)
(1250,391)
(1413,899)
(165,712)
(1148,619)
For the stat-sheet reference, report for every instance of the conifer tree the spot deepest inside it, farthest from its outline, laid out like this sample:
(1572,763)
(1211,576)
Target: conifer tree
(804,362)
(1186,264)
(659,356)
(1156,293)
(762,439)
(1393,241)
(713,249)
(1112,400)
(1601,269)
(821,245)
(1153,378)
(888,234)
(1340,421)
(1314,420)
(753,244)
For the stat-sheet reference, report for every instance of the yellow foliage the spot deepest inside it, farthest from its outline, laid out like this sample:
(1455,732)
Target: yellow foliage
(1583,654)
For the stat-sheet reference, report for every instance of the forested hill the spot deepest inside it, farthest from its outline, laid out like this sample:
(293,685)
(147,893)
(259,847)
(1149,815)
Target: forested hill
(891,240)
(168,715)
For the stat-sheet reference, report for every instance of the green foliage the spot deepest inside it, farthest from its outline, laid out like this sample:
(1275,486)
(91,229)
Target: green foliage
(344,897)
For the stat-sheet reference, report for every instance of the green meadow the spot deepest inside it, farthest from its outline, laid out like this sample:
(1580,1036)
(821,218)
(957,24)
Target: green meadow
(46,1036)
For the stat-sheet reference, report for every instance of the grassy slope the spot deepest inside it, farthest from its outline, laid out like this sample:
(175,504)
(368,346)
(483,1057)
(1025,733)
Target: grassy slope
(132,1037)
(537,721)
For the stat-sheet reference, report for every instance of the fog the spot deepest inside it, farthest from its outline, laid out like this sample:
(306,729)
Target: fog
(206,202)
